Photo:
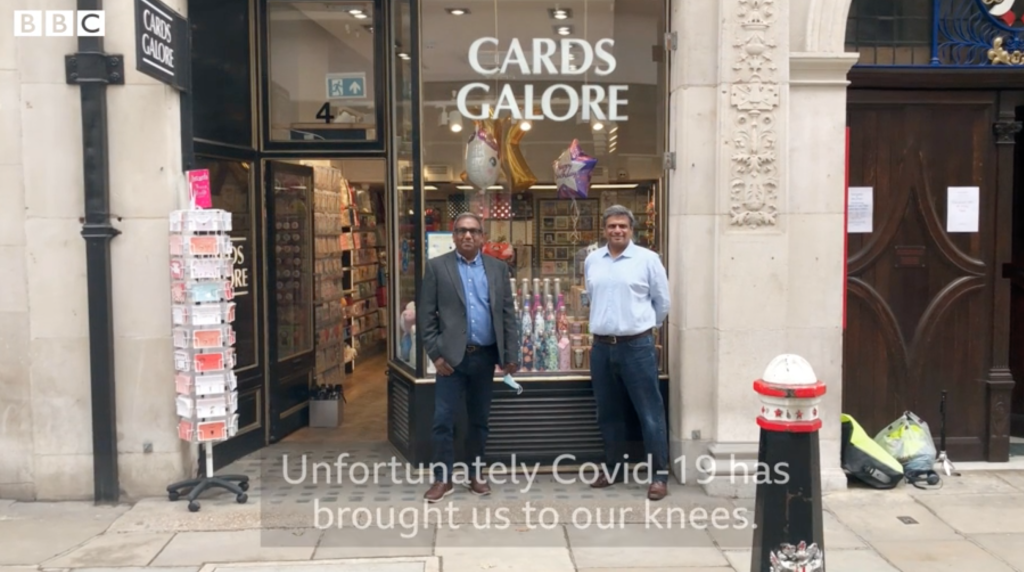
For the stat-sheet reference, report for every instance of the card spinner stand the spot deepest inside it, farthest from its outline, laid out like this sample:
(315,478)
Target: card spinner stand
(202,313)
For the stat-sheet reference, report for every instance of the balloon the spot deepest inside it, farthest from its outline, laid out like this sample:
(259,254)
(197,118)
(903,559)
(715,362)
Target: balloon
(572,172)
(483,154)
(517,171)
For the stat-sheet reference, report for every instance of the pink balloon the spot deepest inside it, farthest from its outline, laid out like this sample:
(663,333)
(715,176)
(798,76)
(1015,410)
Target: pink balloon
(572,172)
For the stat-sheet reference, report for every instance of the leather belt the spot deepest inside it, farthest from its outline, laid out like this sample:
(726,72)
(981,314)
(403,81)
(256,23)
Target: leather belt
(619,339)
(472,349)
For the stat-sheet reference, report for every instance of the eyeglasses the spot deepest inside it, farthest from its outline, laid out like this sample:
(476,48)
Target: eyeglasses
(473,231)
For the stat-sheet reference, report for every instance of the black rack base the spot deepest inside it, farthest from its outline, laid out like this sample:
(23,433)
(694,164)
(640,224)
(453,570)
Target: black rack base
(236,484)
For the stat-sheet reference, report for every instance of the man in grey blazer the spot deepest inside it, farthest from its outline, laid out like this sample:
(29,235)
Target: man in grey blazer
(466,316)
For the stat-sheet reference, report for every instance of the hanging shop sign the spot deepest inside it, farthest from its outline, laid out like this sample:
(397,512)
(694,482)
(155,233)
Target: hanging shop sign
(161,46)
(557,102)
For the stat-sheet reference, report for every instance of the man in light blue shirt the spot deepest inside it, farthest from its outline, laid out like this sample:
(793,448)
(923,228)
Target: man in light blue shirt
(628,290)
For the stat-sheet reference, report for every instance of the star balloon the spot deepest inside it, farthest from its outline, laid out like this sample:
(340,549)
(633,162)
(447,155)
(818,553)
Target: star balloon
(572,172)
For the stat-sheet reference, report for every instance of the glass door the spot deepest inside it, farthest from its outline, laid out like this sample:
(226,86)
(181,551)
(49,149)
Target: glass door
(290,288)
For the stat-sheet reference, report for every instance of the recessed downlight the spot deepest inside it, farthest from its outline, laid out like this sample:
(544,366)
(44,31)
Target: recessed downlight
(457,11)
(560,13)
(563,30)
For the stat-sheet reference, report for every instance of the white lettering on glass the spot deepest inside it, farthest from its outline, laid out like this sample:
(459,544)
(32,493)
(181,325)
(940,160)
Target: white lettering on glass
(576,57)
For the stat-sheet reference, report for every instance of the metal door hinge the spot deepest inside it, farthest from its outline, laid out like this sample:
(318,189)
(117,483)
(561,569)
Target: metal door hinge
(670,161)
(671,41)
(94,67)
(1006,131)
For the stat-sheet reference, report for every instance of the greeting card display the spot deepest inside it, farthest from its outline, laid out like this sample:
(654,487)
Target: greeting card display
(202,311)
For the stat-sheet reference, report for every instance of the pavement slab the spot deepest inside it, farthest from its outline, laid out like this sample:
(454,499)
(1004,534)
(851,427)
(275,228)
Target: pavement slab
(979,514)
(198,548)
(1013,478)
(374,542)
(663,569)
(399,564)
(635,545)
(890,516)
(113,550)
(974,484)
(1008,547)
(939,556)
(504,559)
(843,560)
(36,532)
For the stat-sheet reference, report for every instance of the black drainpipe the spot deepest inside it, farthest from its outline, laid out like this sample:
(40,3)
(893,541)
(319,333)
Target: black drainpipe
(92,70)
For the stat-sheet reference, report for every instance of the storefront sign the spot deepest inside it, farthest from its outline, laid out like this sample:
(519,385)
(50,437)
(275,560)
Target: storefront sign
(161,48)
(598,101)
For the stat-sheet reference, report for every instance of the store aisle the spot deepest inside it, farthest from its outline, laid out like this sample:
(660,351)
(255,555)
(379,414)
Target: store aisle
(365,413)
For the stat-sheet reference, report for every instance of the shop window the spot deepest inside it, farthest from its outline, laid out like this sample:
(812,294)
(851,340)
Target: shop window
(321,79)
(936,32)
(513,93)
(231,189)
(408,210)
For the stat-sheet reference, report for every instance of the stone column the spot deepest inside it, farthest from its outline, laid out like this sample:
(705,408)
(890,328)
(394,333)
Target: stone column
(757,221)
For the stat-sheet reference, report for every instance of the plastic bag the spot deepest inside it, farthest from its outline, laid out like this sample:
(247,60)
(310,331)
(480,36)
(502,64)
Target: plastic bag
(909,440)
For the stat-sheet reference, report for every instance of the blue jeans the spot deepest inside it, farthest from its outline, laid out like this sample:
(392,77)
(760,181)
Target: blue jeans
(622,373)
(472,382)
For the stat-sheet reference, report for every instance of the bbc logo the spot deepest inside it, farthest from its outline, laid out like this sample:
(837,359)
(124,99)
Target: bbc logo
(59,23)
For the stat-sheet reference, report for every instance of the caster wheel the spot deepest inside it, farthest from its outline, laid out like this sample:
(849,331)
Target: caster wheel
(242,498)
(244,485)
(193,506)
(173,496)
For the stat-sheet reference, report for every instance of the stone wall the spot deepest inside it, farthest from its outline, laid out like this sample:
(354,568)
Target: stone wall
(46,433)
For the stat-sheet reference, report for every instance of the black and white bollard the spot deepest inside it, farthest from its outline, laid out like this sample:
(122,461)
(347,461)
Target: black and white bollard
(787,511)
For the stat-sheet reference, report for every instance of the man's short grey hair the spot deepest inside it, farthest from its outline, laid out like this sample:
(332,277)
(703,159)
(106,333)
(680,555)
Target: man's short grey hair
(617,210)
(479,219)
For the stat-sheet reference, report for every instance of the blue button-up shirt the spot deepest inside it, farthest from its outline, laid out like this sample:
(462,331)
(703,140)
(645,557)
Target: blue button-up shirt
(628,294)
(478,301)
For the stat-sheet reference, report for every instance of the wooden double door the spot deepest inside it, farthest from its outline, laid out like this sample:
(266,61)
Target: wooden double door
(928,299)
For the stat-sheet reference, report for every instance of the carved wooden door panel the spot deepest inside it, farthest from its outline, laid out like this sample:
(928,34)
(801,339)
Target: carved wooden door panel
(920,298)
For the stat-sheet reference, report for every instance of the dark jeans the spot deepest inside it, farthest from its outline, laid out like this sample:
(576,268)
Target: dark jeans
(622,373)
(472,382)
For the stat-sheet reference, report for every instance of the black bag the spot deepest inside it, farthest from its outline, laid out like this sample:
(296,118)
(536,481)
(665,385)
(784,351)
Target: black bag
(865,460)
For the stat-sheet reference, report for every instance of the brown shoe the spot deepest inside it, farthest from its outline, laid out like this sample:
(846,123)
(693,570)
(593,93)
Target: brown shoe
(657,491)
(478,487)
(438,491)
(602,482)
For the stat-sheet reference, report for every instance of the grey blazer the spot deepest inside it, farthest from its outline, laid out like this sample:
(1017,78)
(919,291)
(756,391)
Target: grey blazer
(441,310)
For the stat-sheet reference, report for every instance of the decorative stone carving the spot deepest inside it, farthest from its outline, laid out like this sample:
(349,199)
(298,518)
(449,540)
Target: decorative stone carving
(754,97)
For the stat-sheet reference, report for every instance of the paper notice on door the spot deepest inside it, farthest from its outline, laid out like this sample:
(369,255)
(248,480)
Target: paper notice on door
(860,210)
(963,209)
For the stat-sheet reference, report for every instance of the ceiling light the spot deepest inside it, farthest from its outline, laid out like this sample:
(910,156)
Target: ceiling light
(563,30)
(359,16)
(560,13)
(457,11)
(525,125)
(403,55)
(355,11)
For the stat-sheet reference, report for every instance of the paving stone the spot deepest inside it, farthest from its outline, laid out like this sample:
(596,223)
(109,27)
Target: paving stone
(504,559)
(639,545)
(114,550)
(398,564)
(875,515)
(979,514)
(515,535)
(1013,478)
(139,569)
(36,532)
(662,569)
(944,556)
(1009,547)
(375,542)
(970,483)
(197,548)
